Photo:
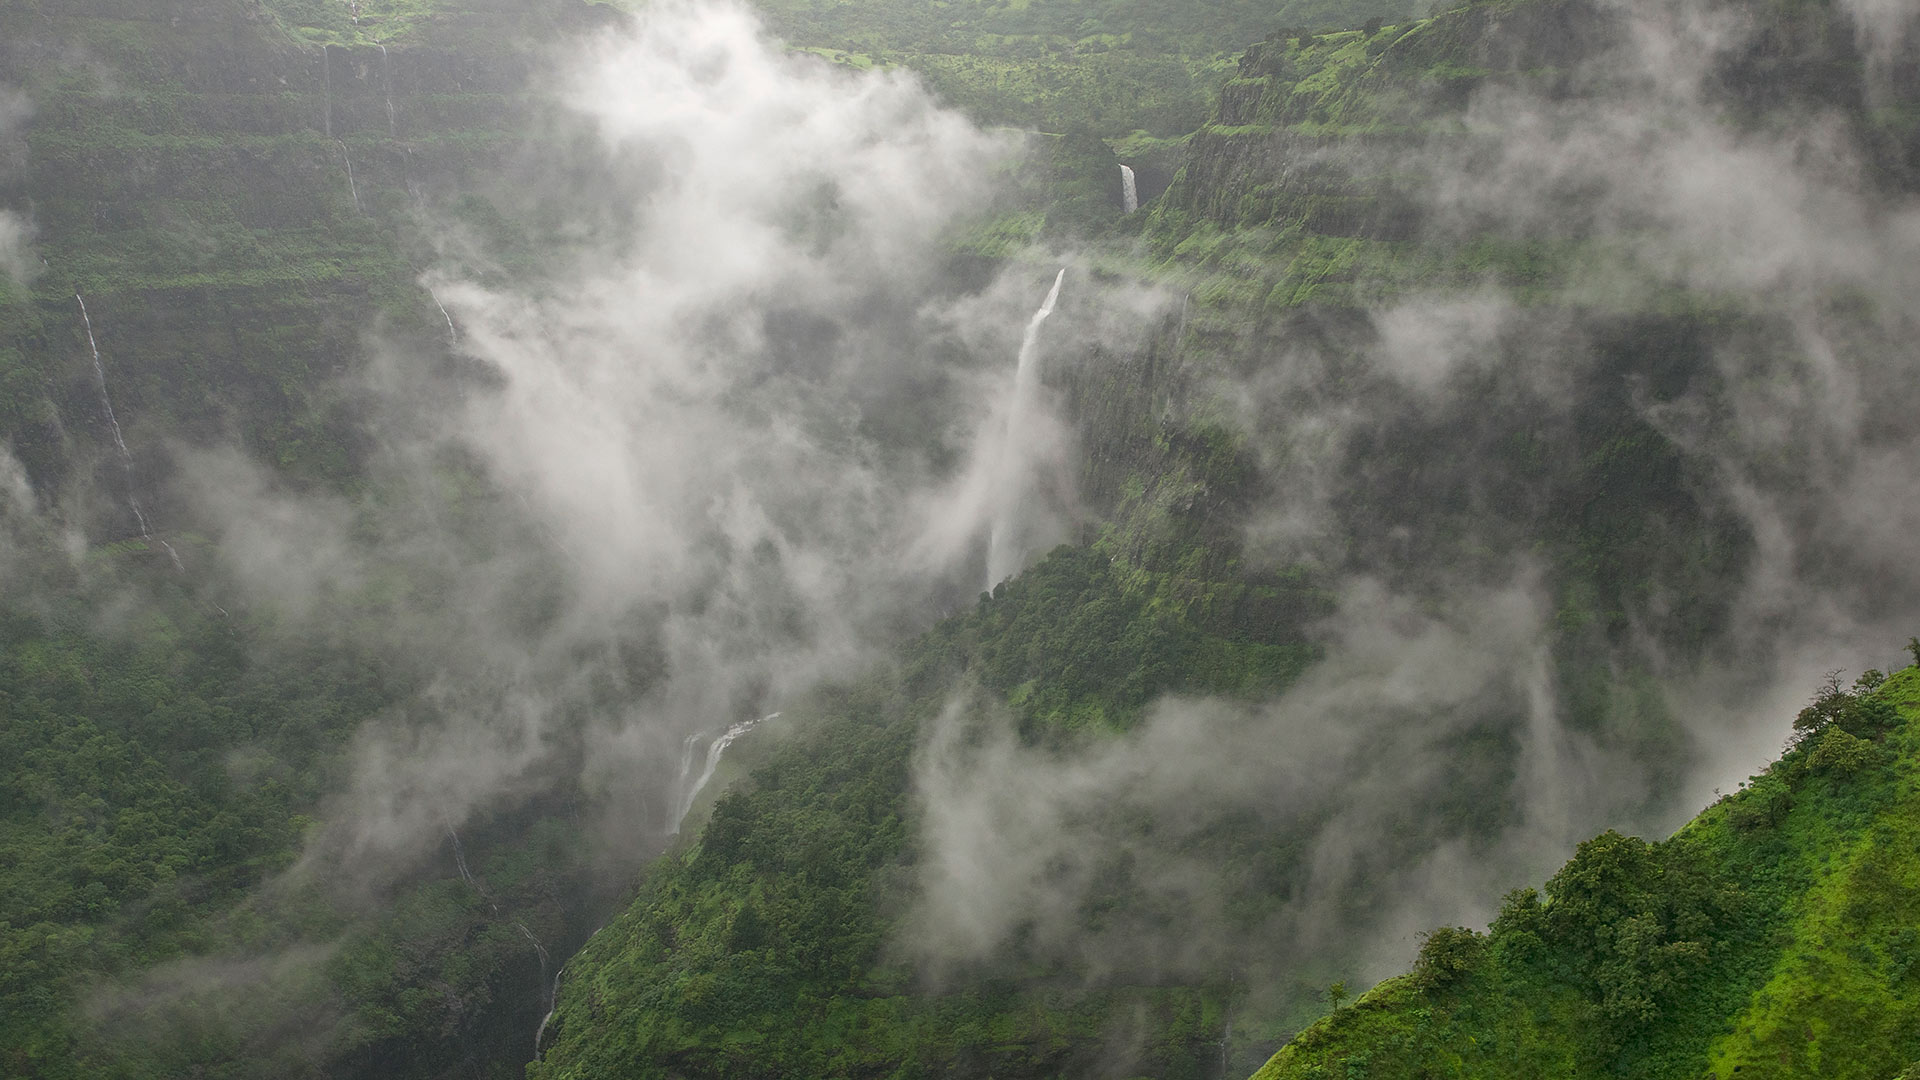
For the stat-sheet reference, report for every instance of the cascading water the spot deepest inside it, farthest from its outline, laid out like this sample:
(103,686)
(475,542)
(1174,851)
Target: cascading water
(1004,550)
(119,439)
(540,949)
(386,91)
(682,778)
(1129,190)
(687,793)
(453,335)
(352,188)
(553,1002)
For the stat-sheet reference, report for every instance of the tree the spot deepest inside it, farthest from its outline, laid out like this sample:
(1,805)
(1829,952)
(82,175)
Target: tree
(1859,711)
(1913,646)
(1337,995)
(1447,954)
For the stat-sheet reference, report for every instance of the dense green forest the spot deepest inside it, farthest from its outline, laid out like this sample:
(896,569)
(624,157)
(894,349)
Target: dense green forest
(1772,936)
(426,425)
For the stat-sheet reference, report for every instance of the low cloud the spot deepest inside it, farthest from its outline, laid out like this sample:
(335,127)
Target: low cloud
(17,260)
(1471,721)
(1254,838)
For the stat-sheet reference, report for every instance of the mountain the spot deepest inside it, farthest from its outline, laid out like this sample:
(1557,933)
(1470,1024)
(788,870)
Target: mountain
(426,426)
(1434,334)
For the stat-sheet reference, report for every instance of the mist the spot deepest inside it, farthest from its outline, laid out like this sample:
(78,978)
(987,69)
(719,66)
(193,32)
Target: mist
(749,421)
(1451,746)
(679,436)
(714,455)
(17,262)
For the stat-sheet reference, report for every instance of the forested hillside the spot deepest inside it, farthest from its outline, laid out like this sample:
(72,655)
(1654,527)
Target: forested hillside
(1772,936)
(506,515)
(1488,400)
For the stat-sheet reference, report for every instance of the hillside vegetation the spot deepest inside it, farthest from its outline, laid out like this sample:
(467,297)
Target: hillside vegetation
(763,950)
(1114,67)
(249,197)
(1773,936)
(1304,210)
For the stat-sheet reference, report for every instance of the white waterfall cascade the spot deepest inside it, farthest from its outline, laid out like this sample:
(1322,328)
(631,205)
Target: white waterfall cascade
(119,440)
(453,335)
(686,793)
(553,1002)
(386,91)
(352,188)
(1129,190)
(1004,540)
(685,774)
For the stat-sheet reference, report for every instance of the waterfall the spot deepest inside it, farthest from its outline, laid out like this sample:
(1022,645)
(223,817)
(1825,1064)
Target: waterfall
(1003,540)
(106,404)
(545,959)
(119,439)
(466,875)
(688,793)
(539,949)
(386,91)
(1129,190)
(352,188)
(553,1002)
(682,779)
(453,335)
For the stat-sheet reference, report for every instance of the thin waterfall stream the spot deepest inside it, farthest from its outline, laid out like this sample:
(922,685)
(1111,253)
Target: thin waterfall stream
(386,92)
(687,789)
(352,188)
(119,438)
(685,792)
(1129,190)
(453,335)
(1004,539)
(539,947)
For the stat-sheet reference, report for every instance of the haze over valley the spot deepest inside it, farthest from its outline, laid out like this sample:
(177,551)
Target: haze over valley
(1072,538)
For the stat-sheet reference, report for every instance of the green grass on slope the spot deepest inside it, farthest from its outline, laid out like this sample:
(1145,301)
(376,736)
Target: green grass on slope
(1773,937)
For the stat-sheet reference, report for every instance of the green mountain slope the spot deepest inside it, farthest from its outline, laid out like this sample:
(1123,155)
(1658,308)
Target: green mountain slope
(1303,211)
(185,168)
(1773,936)
(239,190)
(763,950)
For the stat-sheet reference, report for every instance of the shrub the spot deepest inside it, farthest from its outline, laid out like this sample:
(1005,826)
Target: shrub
(1840,753)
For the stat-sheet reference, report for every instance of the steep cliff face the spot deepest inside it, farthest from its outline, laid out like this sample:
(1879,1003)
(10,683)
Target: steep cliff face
(1348,178)
(236,200)
(232,188)
(1325,132)
(236,191)
(1351,186)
